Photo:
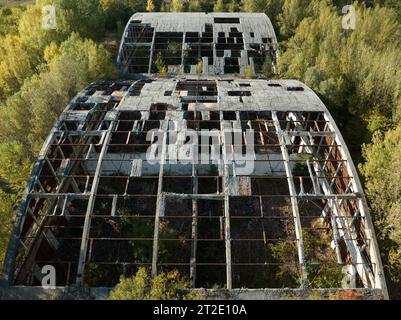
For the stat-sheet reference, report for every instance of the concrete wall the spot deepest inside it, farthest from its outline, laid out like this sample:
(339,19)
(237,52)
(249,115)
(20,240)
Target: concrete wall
(62,293)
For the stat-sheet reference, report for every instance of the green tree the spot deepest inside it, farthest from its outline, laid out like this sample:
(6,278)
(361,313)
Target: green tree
(206,5)
(34,39)
(7,209)
(177,5)
(165,286)
(14,172)
(382,173)
(322,267)
(256,5)
(219,6)
(234,6)
(96,58)
(84,17)
(51,52)
(14,166)
(164,7)
(272,8)
(286,271)
(119,11)
(194,6)
(22,54)
(356,74)
(9,17)
(394,4)
(15,66)
(293,12)
(28,116)
(267,68)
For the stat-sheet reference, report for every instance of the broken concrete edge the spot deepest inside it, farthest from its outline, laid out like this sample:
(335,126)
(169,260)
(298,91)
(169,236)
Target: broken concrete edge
(102,293)
(292,294)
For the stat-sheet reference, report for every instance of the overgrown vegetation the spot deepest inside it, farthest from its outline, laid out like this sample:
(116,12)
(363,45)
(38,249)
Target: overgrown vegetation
(322,267)
(40,71)
(383,175)
(165,286)
(199,67)
(249,72)
(160,65)
(356,73)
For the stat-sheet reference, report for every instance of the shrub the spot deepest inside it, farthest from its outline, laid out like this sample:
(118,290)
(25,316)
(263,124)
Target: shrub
(165,286)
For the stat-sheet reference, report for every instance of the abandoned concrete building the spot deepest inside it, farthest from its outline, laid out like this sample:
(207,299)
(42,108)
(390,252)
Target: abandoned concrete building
(277,207)
(191,43)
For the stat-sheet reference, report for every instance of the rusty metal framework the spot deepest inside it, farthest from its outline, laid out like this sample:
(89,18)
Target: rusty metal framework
(285,215)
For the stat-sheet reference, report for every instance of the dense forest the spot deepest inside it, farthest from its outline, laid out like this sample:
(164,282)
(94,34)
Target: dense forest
(355,72)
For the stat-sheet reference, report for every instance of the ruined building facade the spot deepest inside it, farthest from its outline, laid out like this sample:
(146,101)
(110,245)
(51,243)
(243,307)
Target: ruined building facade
(273,199)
